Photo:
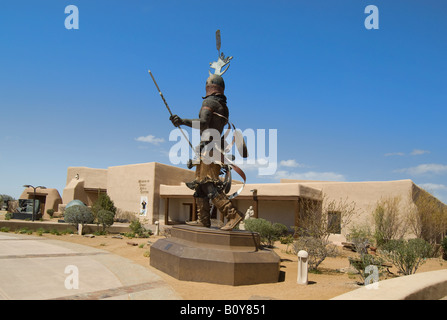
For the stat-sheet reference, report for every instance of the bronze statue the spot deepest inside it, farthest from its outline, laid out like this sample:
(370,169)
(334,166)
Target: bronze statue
(213,115)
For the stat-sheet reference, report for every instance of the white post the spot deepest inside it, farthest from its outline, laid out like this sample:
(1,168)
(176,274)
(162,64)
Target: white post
(80,229)
(157,228)
(302,267)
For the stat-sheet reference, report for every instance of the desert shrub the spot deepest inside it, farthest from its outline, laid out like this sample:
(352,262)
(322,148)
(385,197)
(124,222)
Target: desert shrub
(105,218)
(287,240)
(8,216)
(54,232)
(361,237)
(362,263)
(317,248)
(407,255)
(24,231)
(78,215)
(50,212)
(136,226)
(137,230)
(268,232)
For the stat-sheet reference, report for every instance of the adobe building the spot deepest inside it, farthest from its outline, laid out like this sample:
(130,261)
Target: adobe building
(133,188)
(48,199)
(157,192)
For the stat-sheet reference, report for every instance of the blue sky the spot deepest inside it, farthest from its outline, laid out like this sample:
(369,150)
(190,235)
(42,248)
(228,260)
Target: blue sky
(348,103)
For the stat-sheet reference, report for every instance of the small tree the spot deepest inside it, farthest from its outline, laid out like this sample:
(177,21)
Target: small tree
(388,221)
(102,203)
(428,217)
(268,232)
(315,217)
(8,201)
(105,218)
(78,215)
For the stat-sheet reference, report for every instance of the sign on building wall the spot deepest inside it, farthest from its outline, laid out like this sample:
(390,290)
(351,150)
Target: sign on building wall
(143,206)
(144,189)
(143,186)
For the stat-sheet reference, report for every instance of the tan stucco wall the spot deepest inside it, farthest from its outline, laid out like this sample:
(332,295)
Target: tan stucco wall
(168,175)
(74,190)
(364,194)
(127,184)
(93,178)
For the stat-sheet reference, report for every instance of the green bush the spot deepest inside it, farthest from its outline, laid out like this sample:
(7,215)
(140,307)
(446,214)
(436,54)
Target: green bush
(137,230)
(105,218)
(317,248)
(54,232)
(363,261)
(24,231)
(50,212)
(78,215)
(104,202)
(407,255)
(268,232)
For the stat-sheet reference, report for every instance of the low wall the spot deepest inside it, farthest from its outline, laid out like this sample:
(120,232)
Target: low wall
(14,225)
(420,286)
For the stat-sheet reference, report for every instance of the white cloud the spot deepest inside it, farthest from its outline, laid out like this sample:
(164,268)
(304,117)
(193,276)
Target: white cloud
(263,166)
(310,175)
(150,139)
(415,152)
(433,186)
(418,152)
(290,163)
(392,154)
(430,168)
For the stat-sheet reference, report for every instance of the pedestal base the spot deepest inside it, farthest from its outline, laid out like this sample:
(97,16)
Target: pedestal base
(215,256)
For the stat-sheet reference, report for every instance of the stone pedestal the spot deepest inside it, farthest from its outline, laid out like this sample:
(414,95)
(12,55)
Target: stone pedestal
(215,256)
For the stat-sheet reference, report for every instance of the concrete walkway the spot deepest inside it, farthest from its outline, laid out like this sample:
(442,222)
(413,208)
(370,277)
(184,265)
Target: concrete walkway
(36,268)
